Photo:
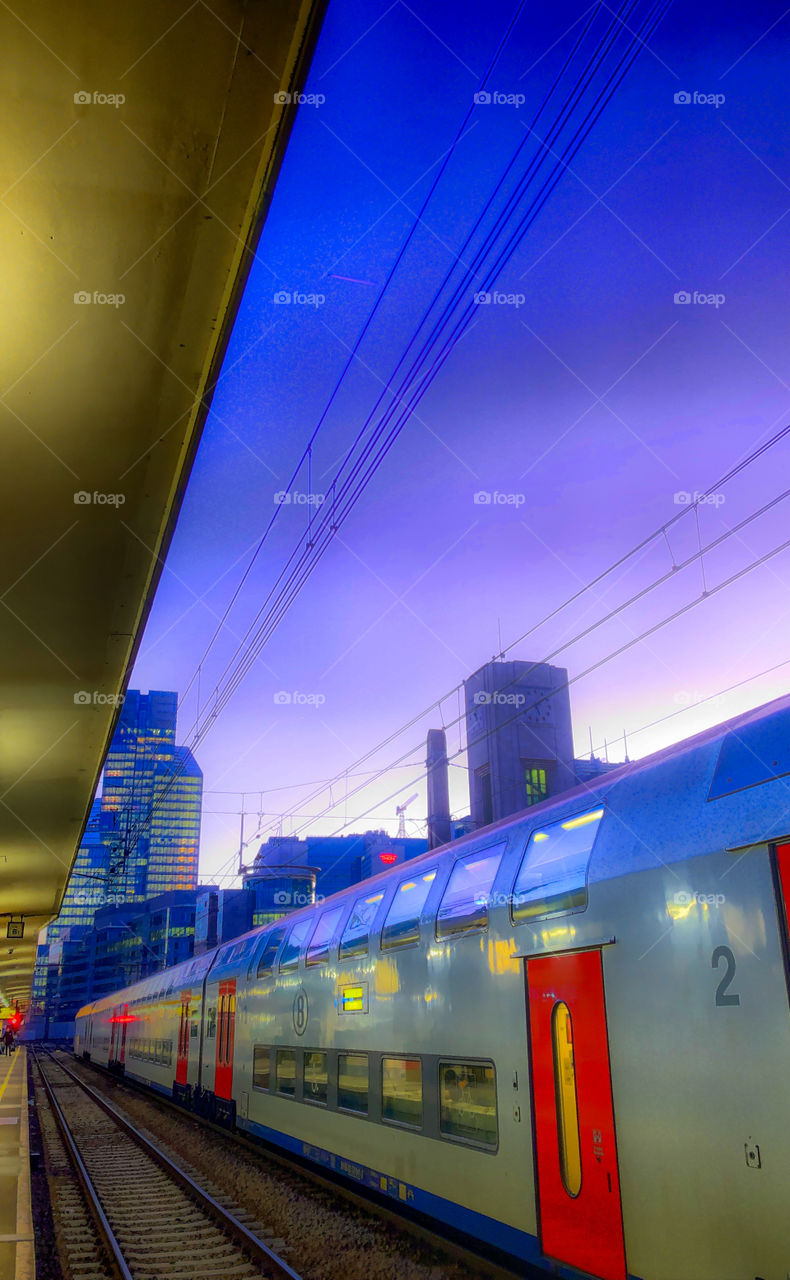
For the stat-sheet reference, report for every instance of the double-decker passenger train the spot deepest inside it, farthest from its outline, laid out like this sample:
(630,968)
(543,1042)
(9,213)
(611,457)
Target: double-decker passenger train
(566,1035)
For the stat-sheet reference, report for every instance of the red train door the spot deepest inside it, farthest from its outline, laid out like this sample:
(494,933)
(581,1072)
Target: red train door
(119,1020)
(114,1033)
(124,1029)
(182,1055)
(579,1206)
(226,1030)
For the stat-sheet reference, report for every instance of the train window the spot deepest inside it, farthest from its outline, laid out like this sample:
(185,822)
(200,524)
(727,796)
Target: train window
(467,1101)
(352,1082)
(466,899)
(315,1076)
(402,925)
(270,949)
(285,1071)
(289,956)
(356,935)
(401,1091)
(211,1022)
(261,1067)
(565,1098)
(318,949)
(553,872)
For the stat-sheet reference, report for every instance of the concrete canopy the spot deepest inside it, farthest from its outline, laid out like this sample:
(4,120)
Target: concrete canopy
(139,152)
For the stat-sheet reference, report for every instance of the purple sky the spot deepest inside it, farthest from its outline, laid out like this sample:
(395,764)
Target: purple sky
(594,401)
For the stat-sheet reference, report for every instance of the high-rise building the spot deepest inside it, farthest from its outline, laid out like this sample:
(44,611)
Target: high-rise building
(153,790)
(142,839)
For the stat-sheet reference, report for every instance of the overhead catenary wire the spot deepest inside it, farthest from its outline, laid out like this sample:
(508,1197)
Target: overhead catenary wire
(302,571)
(673,617)
(705,594)
(661,580)
(333,518)
(416,222)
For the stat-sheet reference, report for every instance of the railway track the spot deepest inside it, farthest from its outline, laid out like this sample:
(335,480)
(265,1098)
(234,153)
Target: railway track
(153,1220)
(462,1260)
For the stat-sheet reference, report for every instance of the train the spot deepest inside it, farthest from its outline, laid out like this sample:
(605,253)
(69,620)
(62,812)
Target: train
(565,1036)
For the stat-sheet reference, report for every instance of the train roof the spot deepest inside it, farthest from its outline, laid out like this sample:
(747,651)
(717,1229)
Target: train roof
(758,735)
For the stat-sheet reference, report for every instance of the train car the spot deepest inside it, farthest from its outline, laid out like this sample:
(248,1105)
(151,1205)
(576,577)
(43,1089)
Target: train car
(566,1035)
(154,1032)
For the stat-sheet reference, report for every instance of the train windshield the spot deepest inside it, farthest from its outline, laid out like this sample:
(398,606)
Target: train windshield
(553,873)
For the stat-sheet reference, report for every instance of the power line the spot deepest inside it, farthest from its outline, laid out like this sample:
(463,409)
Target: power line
(673,617)
(416,222)
(659,581)
(333,519)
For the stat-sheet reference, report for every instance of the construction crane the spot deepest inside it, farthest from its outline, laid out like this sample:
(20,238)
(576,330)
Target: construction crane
(400,809)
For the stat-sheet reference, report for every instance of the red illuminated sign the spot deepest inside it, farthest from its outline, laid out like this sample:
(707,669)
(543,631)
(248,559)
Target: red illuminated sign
(123,1017)
(388,858)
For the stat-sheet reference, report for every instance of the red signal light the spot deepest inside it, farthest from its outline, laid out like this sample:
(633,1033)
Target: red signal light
(388,858)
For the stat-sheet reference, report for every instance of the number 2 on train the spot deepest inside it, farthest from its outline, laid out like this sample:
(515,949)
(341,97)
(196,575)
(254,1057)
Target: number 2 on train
(724,953)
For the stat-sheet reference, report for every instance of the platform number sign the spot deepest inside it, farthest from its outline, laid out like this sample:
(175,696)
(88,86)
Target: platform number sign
(15,930)
(724,996)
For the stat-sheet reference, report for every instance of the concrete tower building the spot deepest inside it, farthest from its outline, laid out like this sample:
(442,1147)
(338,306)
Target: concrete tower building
(519,737)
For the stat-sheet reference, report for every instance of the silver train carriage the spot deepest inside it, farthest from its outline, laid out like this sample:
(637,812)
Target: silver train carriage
(566,1035)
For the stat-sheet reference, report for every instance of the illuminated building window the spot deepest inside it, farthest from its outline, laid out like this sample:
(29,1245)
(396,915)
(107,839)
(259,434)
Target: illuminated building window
(537,787)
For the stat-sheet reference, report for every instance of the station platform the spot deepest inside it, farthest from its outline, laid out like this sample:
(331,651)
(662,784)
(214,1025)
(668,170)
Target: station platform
(17,1252)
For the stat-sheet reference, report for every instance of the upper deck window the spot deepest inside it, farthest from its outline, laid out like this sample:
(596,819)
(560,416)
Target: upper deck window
(466,899)
(402,925)
(318,949)
(270,948)
(289,957)
(356,935)
(553,872)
